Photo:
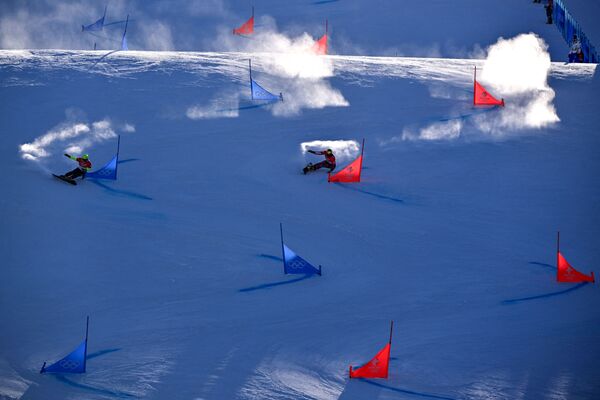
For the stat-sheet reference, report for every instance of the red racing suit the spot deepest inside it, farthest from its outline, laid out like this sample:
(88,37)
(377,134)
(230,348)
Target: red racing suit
(328,163)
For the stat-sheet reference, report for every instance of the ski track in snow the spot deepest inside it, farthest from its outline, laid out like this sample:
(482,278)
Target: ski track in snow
(233,66)
(12,385)
(212,380)
(128,375)
(278,380)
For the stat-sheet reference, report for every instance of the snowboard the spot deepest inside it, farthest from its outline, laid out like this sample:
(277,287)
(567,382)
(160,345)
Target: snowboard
(64,178)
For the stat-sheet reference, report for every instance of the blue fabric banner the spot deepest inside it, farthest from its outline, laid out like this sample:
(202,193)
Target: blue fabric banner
(109,171)
(124,39)
(96,26)
(74,363)
(294,264)
(260,93)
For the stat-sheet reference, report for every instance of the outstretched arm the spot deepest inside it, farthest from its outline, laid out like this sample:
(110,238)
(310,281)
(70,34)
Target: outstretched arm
(316,152)
(70,156)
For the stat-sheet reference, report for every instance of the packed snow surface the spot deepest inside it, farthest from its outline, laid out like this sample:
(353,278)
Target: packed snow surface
(451,233)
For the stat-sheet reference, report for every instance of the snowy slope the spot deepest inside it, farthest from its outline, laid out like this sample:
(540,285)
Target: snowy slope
(177,261)
(432,28)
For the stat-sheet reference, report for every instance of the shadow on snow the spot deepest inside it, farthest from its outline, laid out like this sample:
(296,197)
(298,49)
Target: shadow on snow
(376,195)
(273,284)
(270,257)
(128,160)
(406,391)
(543,265)
(93,389)
(120,192)
(546,295)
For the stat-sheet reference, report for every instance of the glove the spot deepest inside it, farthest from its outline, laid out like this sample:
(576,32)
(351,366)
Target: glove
(312,151)
(66,155)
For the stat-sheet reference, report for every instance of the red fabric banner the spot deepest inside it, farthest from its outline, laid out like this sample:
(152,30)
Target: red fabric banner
(246,29)
(320,46)
(483,98)
(376,368)
(351,173)
(566,273)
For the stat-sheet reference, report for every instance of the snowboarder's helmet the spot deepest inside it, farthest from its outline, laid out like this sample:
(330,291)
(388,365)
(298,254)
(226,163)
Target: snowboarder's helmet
(329,151)
(85,156)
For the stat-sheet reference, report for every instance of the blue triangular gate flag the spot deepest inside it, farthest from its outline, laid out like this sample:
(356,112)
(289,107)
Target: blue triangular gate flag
(294,264)
(109,171)
(124,39)
(260,93)
(96,26)
(73,363)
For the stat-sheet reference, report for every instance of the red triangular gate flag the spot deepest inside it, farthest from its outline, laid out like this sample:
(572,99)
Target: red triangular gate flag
(566,273)
(247,28)
(481,97)
(349,174)
(320,46)
(376,368)
(484,98)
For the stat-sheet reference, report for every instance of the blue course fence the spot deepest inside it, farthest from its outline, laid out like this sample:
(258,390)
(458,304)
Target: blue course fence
(567,26)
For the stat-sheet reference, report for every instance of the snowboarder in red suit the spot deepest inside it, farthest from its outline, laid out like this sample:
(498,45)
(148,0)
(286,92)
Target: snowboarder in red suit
(329,161)
(84,166)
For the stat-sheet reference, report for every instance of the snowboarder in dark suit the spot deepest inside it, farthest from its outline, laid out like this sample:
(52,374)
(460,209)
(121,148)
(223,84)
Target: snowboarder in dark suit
(329,161)
(84,166)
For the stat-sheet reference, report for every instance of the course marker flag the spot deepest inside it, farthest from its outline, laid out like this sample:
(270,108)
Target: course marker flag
(378,366)
(247,27)
(293,263)
(96,26)
(481,97)
(258,92)
(109,171)
(73,363)
(124,38)
(320,46)
(350,173)
(565,272)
